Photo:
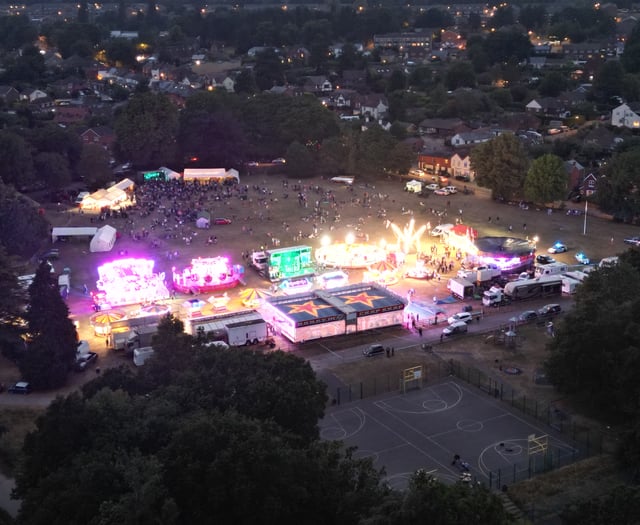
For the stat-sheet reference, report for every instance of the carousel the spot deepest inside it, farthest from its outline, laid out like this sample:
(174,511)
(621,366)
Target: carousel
(383,273)
(348,254)
(101,321)
(207,275)
(128,281)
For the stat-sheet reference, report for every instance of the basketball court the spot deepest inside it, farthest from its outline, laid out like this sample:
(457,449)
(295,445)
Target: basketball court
(429,425)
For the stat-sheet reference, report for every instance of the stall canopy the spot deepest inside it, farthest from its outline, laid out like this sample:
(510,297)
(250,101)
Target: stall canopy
(72,231)
(104,239)
(210,175)
(202,222)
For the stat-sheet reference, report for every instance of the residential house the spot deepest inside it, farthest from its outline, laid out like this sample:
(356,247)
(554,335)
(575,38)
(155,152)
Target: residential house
(575,173)
(452,39)
(223,81)
(589,185)
(403,40)
(374,106)
(461,166)
(73,114)
(340,100)
(9,94)
(354,79)
(435,162)
(469,138)
(625,117)
(31,95)
(100,135)
(549,107)
(442,127)
(42,104)
(317,84)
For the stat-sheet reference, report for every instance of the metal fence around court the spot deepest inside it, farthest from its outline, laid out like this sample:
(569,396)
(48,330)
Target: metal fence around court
(584,441)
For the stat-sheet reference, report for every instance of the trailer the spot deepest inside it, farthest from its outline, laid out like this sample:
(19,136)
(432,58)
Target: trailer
(555,268)
(569,285)
(460,288)
(237,329)
(544,286)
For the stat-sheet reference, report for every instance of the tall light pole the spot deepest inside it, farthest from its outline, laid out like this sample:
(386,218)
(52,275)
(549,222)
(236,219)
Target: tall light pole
(586,209)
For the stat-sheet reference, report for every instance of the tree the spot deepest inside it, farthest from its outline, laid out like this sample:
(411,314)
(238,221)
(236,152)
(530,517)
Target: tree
(533,17)
(245,82)
(501,164)
(609,81)
(617,189)
(51,351)
(94,166)
(300,163)
(446,504)
(620,505)
(504,46)
(332,157)
(53,169)
(146,130)
(593,357)
(17,161)
(269,70)
(553,84)
(631,56)
(12,295)
(546,180)
(22,227)
(374,148)
(460,74)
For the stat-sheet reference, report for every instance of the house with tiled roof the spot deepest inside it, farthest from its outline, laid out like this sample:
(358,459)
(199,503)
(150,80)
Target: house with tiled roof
(549,107)
(625,117)
(470,138)
(374,106)
(9,94)
(442,127)
(354,79)
(317,84)
(436,162)
(461,165)
(100,135)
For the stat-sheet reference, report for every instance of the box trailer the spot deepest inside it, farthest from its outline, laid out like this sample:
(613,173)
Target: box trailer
(460,288)
(544,286)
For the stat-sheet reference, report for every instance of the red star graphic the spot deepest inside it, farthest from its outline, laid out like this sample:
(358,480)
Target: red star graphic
(307,308)
(362,298)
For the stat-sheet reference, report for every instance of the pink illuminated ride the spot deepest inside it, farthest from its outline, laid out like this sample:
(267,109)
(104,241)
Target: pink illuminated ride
(128,281)
(207,275)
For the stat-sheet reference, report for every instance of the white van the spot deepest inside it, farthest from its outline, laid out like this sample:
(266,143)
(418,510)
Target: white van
(442,229)
(342,180)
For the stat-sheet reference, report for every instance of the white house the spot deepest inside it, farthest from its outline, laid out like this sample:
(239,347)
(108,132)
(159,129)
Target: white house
(469,138)
(373,106)
(461,166)
(624,117)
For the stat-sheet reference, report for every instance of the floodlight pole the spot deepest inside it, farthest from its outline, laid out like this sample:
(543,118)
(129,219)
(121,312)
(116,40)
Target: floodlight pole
(586,208)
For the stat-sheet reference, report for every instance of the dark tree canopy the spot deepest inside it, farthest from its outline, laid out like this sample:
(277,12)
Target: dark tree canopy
(501,165)
(146,130)
(594,355)
(51,349)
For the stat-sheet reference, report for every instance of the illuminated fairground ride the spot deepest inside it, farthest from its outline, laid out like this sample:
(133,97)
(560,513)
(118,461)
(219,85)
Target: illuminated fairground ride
(128,281)
(207,275)
(348,254)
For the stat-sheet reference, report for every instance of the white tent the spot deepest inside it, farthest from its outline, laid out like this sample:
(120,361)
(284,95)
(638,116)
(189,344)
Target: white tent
(202,222)
(72,231)
(210,174)
(104,239)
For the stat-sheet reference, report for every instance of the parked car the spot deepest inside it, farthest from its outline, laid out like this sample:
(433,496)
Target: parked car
(21,387)
(459,327)
(432,187)
(220,221)
(451,189)
(582,258)
(545,259)
(442,191)
(465,317)
(528,315)
(634,241)
(373,350)
(279,160)
(558,248)
(463,178)
(549,309)
(83,361)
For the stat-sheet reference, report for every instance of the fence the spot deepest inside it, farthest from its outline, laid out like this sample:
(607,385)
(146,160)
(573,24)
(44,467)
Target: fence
(585,441)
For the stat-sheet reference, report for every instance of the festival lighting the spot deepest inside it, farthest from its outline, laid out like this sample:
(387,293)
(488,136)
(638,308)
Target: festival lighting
(207,275)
